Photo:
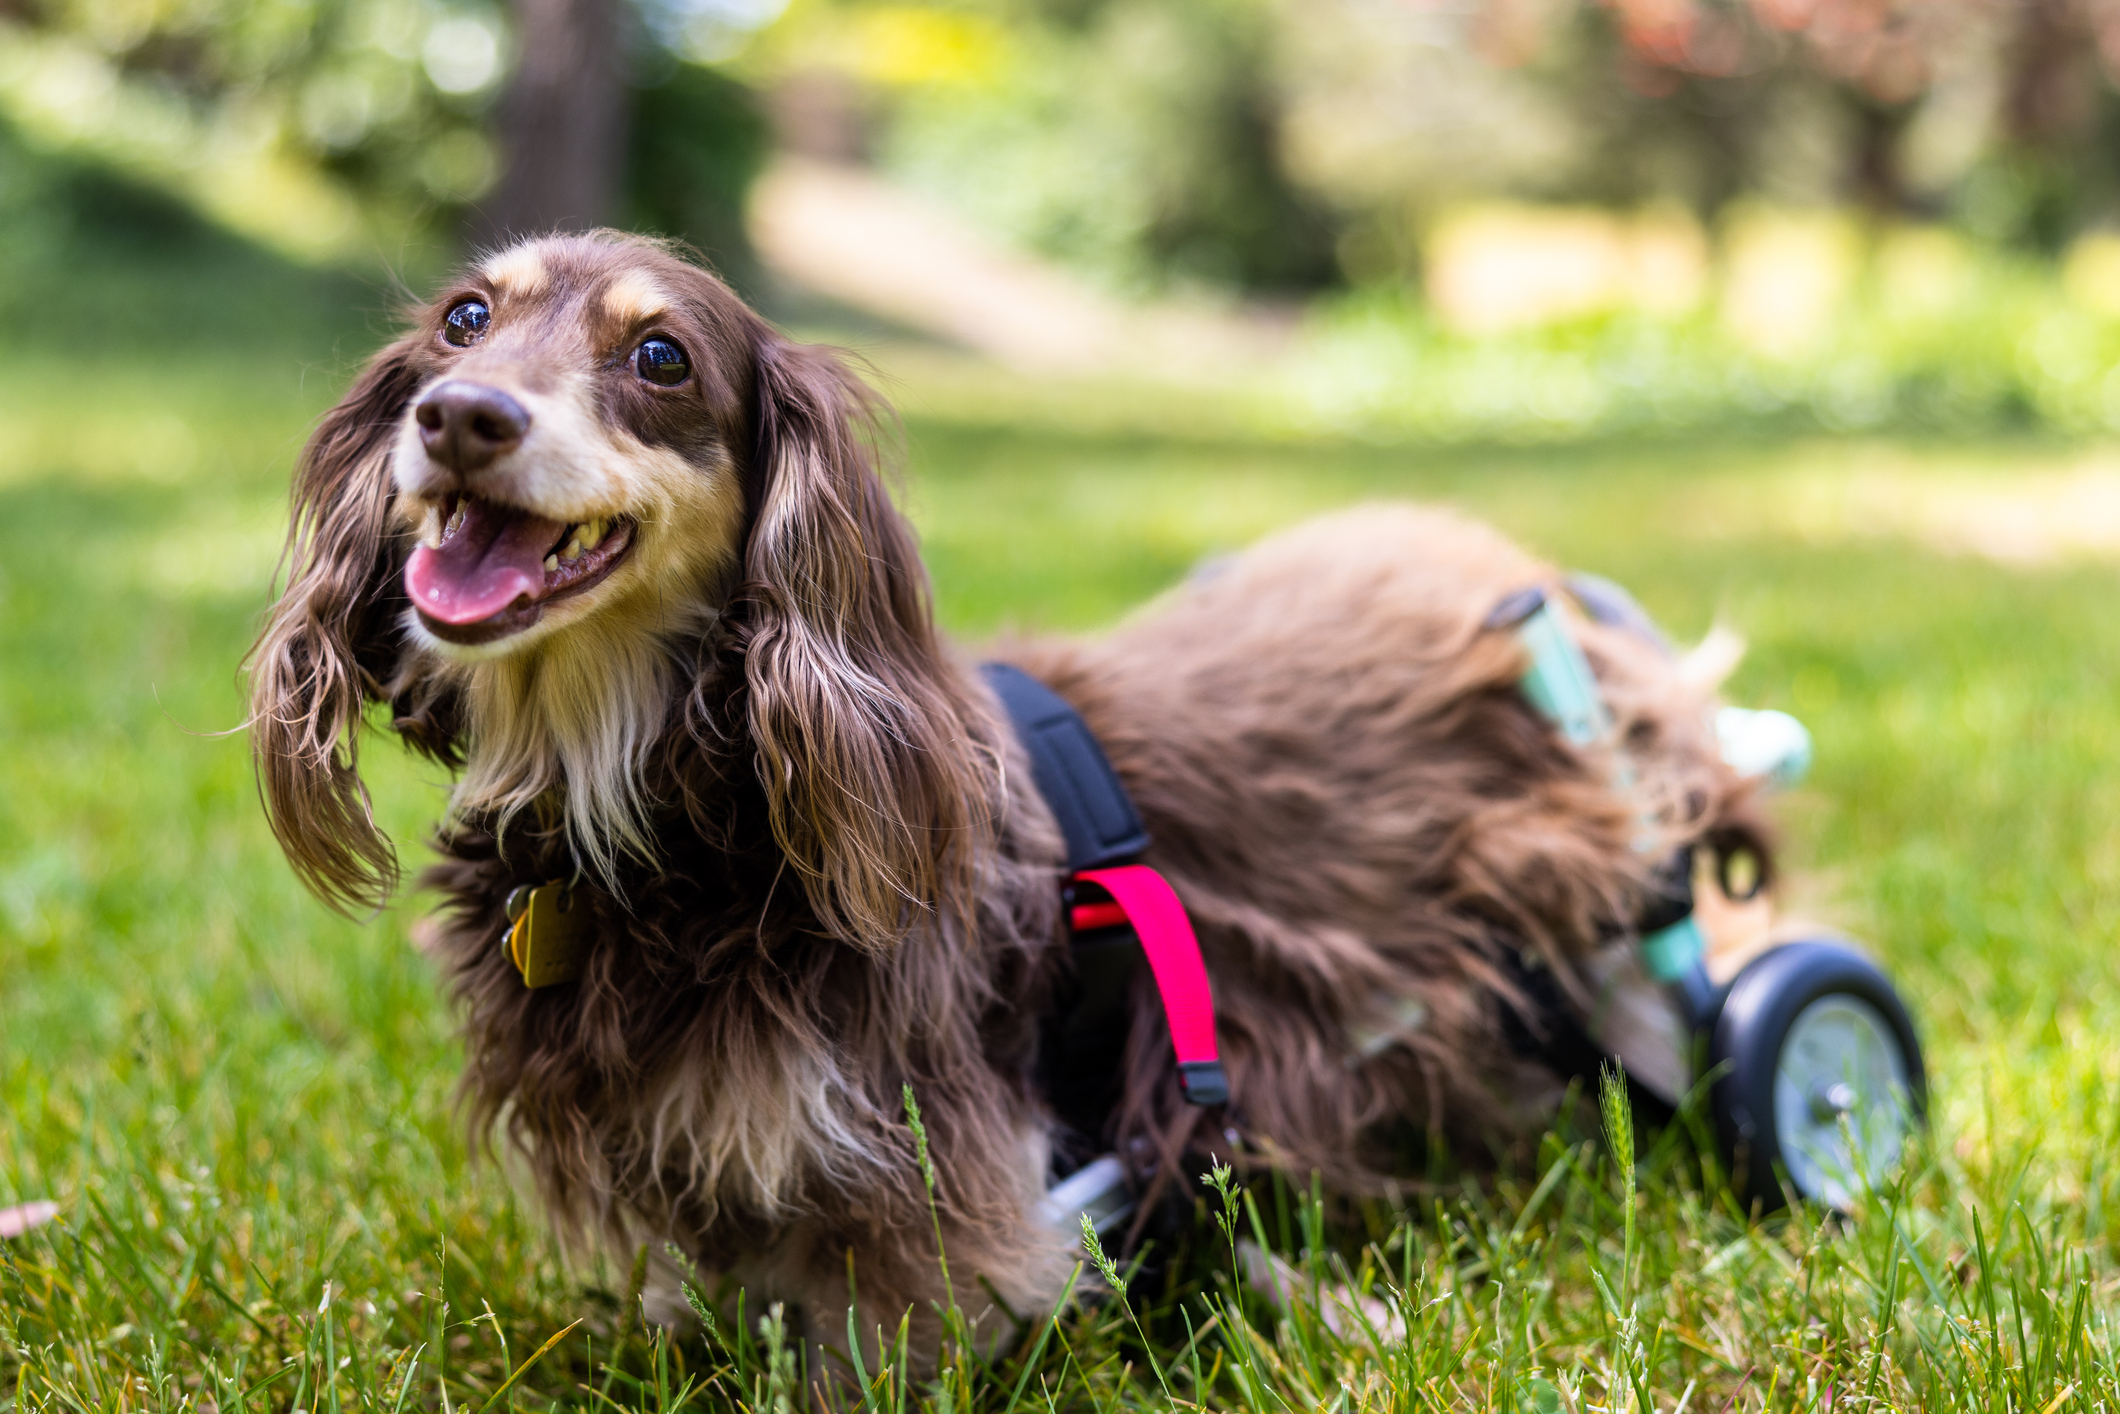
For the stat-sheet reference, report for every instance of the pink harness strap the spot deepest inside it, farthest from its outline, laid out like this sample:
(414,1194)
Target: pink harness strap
(1150,904)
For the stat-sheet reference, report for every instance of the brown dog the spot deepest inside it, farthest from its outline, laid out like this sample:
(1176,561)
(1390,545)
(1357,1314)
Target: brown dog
(610,545)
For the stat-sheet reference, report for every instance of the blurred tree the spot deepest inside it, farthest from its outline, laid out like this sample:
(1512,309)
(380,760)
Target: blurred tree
(384,100)
(1255,145)
(1140,139)
(2042,71)
(699,137)
(397,122)
(1281,144)
(562,123)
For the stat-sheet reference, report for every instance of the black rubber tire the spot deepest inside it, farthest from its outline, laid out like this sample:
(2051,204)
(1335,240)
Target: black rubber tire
(1750,1030)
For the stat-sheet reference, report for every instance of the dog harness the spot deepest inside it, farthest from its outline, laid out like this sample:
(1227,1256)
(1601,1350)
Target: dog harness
(1118,911)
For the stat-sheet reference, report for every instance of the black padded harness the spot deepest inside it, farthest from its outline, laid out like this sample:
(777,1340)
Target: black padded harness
(1083,1039)
(1094,812)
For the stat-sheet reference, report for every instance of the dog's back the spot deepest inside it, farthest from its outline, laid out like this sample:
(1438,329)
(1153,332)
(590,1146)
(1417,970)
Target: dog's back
(1372,830)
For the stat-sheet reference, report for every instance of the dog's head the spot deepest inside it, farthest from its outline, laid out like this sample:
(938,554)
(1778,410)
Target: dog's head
(574,445)
(525,519)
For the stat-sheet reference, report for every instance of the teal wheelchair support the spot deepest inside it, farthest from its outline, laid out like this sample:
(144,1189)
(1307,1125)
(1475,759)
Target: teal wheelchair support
(1818,1073)
(1560,685)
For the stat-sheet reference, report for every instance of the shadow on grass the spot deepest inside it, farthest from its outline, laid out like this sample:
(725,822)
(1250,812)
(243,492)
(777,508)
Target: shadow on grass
(103,268)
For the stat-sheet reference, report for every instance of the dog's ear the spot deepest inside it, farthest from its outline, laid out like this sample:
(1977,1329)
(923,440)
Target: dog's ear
(866,739)
(329,643)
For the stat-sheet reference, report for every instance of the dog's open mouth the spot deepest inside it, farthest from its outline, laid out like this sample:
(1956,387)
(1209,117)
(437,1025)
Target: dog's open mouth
(496,567)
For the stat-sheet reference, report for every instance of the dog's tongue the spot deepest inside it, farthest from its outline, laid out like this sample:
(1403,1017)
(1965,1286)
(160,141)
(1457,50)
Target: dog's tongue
(496,556)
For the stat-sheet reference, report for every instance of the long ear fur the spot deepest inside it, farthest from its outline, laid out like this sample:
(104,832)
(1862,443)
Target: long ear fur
(868,745)
(316,661)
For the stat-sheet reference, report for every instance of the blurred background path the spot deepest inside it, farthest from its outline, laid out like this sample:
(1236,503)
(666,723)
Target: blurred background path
(842,231)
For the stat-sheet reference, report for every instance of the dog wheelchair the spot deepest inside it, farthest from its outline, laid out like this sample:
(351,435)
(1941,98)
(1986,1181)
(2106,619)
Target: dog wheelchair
(1815,1075)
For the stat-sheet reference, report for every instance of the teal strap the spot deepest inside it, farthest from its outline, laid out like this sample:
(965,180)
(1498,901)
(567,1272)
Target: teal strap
(1672,953)
(1559,683)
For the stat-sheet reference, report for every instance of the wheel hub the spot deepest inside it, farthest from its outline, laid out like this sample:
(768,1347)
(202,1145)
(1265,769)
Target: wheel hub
(1841,1109)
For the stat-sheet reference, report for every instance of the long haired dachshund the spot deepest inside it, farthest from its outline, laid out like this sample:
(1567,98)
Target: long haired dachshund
(614,550)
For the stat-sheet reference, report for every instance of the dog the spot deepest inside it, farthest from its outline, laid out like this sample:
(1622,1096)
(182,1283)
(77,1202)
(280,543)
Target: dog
(604,543)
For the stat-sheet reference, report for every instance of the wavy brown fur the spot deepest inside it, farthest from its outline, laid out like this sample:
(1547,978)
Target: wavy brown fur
(1355,803)
(308,679)
(853,886)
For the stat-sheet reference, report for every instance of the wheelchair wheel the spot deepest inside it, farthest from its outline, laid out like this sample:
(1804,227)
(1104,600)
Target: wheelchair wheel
(1824,1080)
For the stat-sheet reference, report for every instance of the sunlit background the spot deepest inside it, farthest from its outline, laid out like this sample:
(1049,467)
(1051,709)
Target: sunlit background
(1488,221)
(1450,218)
(1801,315)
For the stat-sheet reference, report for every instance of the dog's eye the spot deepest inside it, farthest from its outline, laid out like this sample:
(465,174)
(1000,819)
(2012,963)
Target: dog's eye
(662,362)
(463,324)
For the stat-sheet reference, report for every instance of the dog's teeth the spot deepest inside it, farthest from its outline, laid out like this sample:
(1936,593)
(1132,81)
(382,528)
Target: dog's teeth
(456,518)
(592,534)
(551,563)
(573,550)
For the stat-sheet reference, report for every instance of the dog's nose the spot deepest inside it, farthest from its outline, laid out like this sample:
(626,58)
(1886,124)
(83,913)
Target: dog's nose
(464,426)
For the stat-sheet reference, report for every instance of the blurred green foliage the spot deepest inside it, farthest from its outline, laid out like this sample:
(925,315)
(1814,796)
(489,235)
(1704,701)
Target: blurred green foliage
(699,136)
(1270,144)
(2002,342)
(2014,350)
(94,255)
(1218,145)
(340,130)
(1139,140)
(1997,117)
(386,98)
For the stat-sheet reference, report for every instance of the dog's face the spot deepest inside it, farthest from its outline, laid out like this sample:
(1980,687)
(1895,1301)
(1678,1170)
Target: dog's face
(589,497)
(571,449)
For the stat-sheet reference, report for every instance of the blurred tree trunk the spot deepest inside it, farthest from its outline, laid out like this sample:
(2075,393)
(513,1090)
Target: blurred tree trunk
(1876,174)
(2051,75)
(562,123)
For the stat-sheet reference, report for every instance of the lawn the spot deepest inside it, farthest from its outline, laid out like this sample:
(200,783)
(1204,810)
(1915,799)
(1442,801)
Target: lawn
(243,1104)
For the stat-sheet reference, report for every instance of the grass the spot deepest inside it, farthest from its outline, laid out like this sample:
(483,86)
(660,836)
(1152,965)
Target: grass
(243,1104)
